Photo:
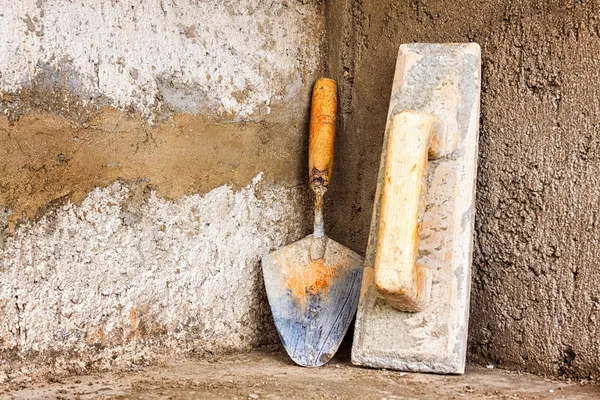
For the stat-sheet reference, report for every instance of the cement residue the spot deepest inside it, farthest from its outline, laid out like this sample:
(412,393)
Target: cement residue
(52,91)
(536,286)
(46,158)
(128,278)
(230,59)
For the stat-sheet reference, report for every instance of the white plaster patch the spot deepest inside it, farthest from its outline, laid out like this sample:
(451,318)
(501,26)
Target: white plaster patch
(225,57)
(114,271)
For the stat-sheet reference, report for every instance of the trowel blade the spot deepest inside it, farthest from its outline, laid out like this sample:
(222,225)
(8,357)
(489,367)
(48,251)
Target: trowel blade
(313,302)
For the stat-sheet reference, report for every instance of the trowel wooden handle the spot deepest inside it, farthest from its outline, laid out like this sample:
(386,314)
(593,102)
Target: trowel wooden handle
(322,132)
(413,137)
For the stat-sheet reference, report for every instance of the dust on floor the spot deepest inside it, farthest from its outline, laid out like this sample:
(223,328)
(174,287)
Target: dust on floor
(262,375)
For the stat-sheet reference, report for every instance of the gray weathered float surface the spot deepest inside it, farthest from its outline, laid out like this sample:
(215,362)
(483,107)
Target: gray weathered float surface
(442,79)
(313,302)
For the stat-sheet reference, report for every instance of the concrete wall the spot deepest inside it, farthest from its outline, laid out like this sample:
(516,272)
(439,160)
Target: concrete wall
(536,285)
(151,152)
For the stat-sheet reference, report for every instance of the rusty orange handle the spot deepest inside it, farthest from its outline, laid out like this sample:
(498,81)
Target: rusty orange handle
(322,132)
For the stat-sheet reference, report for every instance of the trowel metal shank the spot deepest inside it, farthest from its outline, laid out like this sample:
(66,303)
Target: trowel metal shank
(444,80)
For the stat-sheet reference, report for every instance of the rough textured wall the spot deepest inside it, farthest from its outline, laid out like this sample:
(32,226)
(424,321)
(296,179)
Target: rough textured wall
(150,153)
(536,285)
(236,58)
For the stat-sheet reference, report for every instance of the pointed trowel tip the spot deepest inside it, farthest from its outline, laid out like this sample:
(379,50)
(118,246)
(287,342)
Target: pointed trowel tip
(310,361)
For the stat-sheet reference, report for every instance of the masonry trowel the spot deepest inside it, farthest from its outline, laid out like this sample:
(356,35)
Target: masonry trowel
(313,285)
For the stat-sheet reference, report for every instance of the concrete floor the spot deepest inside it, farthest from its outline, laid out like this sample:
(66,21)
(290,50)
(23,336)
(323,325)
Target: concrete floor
(261,375)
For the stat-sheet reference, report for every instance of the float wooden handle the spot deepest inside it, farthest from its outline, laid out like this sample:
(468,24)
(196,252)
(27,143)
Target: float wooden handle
(413,138)
(322,132)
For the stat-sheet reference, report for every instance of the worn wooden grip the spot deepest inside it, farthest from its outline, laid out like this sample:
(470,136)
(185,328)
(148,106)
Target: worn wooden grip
(322,132)
(413,137)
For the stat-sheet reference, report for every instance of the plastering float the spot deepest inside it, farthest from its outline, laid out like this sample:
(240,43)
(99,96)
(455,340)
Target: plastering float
(414,302)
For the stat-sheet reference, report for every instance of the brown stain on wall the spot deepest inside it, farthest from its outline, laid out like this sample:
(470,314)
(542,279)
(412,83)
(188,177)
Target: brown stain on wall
(134,324)
(535,302)
(95,337)
(46,158)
